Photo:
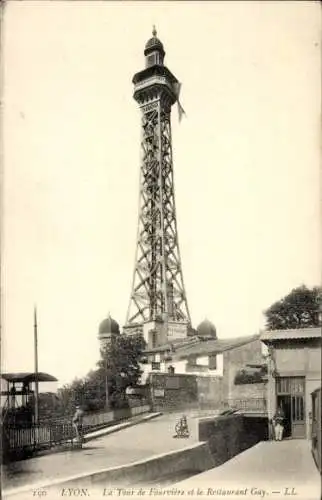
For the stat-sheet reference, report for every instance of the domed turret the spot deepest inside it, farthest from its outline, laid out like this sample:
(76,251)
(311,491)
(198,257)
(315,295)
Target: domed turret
(107,332)
(154,51)
(108,326)
(207,329)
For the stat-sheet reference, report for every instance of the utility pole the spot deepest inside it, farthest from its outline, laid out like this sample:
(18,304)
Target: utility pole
(36,367)
(106,383)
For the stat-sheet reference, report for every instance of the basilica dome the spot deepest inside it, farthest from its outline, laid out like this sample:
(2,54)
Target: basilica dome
(207,329)
(109,325)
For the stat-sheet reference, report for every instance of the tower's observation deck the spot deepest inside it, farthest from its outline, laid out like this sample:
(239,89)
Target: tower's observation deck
(158,304)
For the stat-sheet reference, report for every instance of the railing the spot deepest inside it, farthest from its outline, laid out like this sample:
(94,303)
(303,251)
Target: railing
(28,438)
(97,419)
(248,405)
(36,436)
(137,410)
(102,418)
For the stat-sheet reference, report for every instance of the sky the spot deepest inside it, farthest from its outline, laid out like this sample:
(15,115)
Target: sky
(246,165)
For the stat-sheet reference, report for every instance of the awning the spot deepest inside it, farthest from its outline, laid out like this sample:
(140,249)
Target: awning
(28,377)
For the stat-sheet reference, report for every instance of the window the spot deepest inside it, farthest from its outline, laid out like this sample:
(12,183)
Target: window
(153,59)
(212,364)
(297,408)
(155,365)
(153,339)
(290,385)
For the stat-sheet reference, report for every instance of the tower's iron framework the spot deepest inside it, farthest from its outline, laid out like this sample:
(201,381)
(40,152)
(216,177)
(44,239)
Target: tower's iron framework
(158,290)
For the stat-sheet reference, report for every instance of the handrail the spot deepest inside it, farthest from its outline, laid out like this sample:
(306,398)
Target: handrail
(47,434)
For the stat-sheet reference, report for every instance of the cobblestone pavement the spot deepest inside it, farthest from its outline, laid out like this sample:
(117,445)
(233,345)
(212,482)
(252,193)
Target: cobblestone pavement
(270,470)
(138,442)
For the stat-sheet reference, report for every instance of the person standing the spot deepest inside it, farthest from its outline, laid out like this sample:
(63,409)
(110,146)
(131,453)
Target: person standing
(278,422)
(78,422)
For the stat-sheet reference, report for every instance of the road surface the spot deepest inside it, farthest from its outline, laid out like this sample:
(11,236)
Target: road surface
(139,442)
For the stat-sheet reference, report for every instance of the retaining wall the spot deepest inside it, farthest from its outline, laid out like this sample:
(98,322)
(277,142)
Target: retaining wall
(195,459)
(229,435)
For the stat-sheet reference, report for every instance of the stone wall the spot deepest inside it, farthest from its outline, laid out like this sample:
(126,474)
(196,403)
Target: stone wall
(229,435)
(210,391)
(173,391)
(237,359)
(189,460)
(249,391)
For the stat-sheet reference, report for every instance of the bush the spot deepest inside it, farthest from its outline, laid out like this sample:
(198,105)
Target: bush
(244,377)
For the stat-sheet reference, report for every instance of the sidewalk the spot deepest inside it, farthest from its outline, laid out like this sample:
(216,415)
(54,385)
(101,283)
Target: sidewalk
(117,427)
(59,463)
(278,470)
(105,448)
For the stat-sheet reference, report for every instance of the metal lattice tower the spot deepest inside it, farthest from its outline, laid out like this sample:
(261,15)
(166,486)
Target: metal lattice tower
(158,288)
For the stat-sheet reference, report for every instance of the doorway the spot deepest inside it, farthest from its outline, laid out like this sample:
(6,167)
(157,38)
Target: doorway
(285,403)
(290,395)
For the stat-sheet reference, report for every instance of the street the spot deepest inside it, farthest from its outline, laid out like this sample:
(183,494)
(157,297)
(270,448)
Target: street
(139,442)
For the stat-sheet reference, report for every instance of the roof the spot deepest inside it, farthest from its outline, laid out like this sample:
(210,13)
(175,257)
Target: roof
(173,346)
(294,334)
(28,377)
(195,346)
(207,347)
(153,43)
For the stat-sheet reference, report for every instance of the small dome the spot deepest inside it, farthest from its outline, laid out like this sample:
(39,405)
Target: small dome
(108,325)
(207,329)
(153,44)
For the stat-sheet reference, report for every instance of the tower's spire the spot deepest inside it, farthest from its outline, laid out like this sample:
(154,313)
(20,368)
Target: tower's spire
(154,31)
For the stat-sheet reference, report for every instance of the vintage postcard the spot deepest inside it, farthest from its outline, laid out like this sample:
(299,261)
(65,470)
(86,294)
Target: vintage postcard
(161,250)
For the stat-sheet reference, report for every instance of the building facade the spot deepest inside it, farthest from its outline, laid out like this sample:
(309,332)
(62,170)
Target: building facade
(294,372)
(213,363)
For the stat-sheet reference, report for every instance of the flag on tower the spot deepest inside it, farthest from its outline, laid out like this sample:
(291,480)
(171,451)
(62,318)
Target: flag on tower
(181,111)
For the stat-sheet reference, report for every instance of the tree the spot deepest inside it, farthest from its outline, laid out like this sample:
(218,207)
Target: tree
(299,309)
(72,394)
(120,364)
(49,405)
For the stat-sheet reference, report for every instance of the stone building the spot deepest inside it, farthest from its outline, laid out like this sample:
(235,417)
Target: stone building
(294,372)
(212,362)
